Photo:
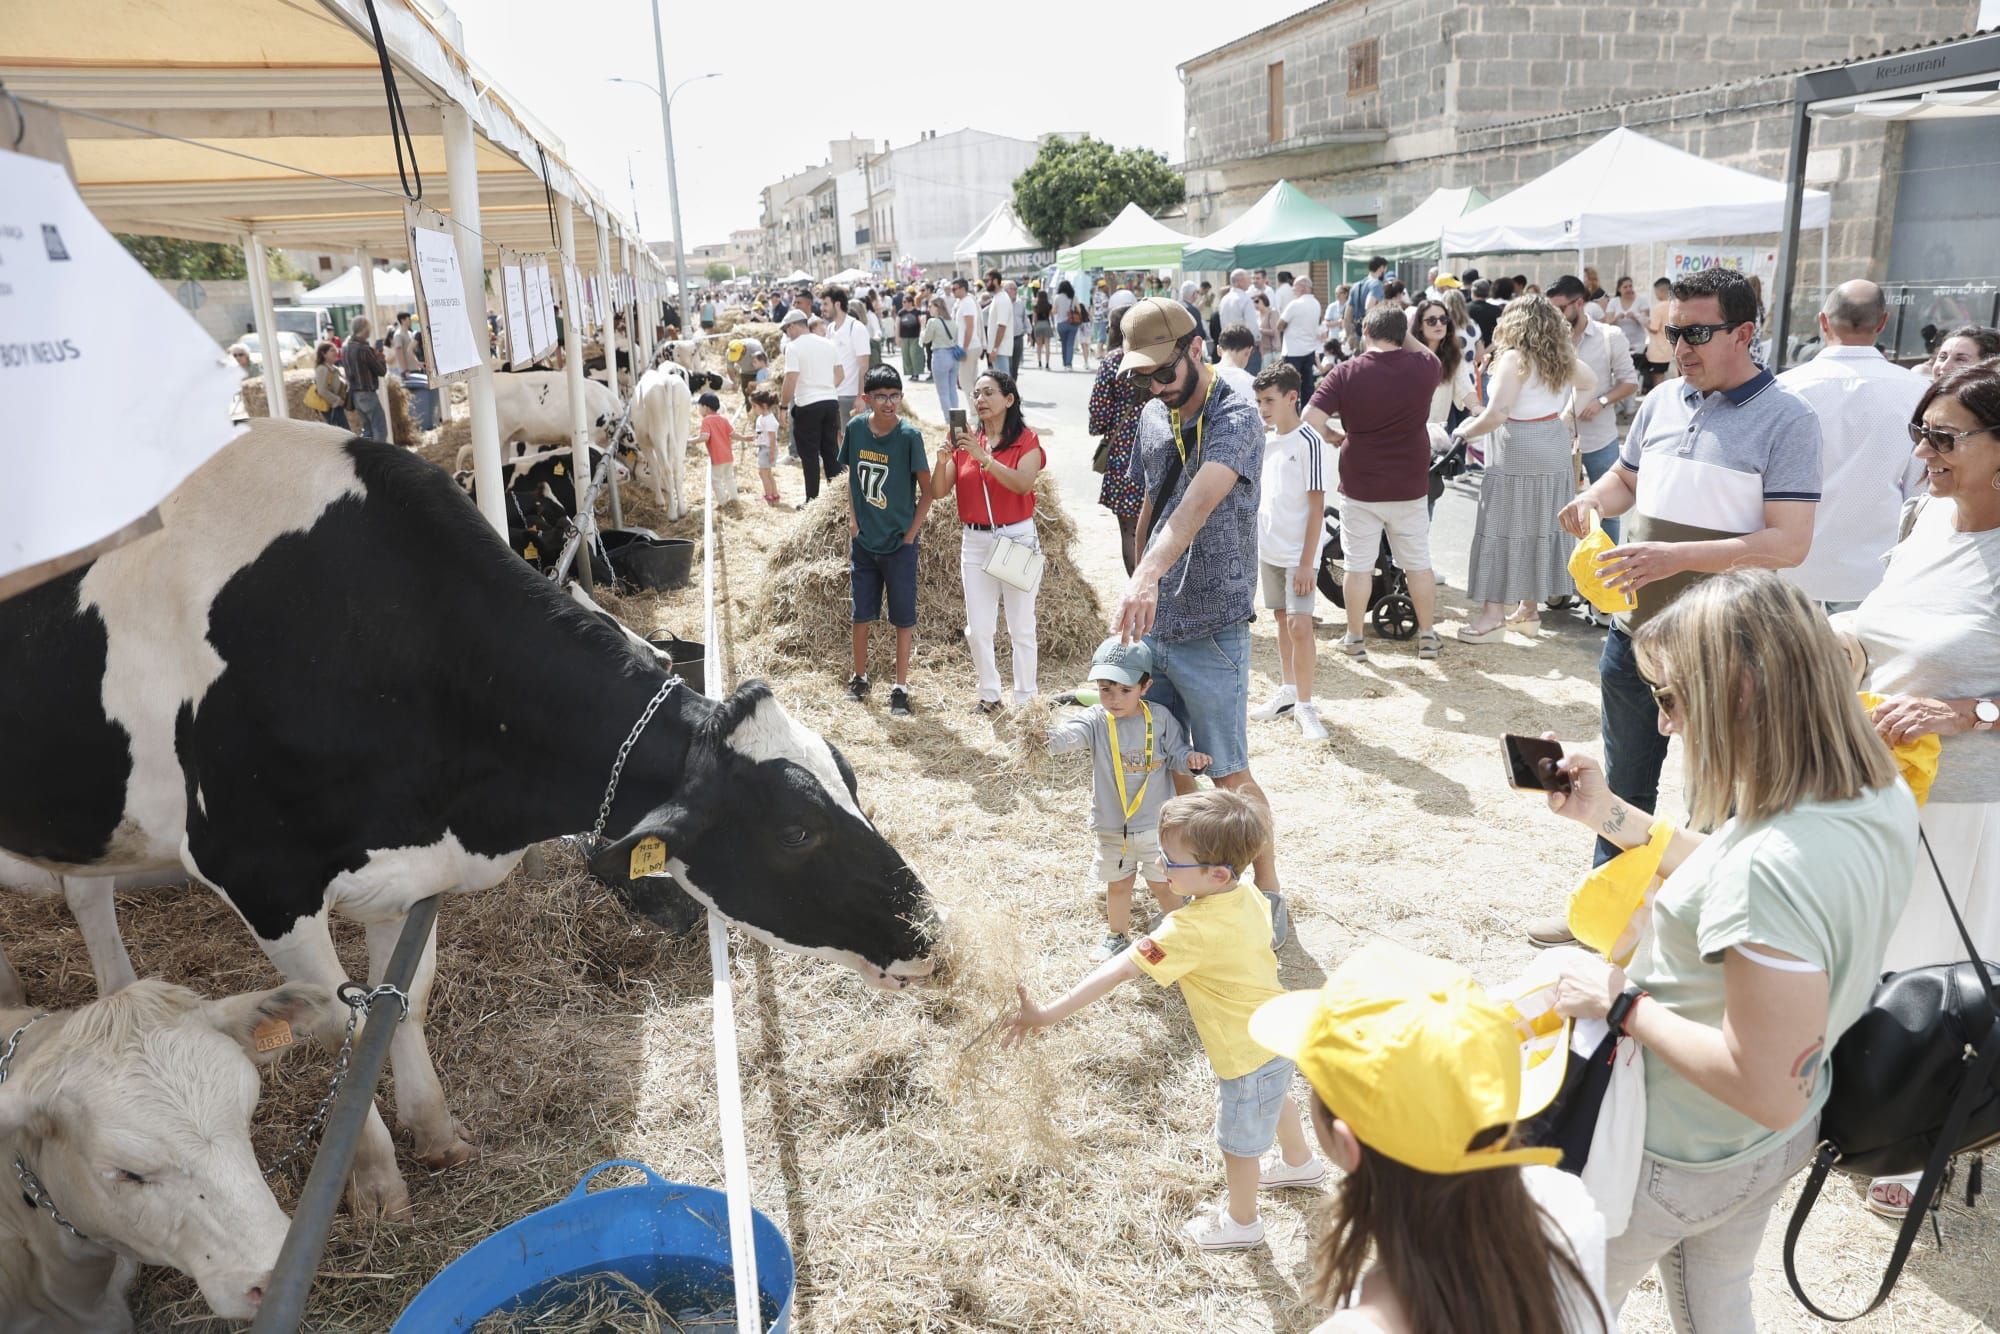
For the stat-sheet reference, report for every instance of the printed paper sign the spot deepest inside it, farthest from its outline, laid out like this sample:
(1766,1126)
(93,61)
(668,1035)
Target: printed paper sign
(1688,259)
(110,392)
(448,330)
(538,316)
(573,308)
(548,283)
(514,300)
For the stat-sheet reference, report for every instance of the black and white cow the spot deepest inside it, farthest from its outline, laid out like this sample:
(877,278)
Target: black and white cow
(316,688)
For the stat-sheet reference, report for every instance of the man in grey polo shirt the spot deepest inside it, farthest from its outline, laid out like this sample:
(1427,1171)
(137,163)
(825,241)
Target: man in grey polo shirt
(1720,470)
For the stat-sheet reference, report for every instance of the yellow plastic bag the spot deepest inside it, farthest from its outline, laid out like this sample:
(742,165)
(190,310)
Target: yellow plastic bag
(1603,906)
(1583,569)
(1917,759)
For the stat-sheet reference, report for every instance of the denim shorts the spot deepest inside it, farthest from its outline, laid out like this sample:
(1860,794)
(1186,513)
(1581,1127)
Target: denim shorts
(1205,683)
(870,574)
(1247,1108)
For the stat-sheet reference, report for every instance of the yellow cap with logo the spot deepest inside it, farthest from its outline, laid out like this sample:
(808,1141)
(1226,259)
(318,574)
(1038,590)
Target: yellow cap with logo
(1412,1054)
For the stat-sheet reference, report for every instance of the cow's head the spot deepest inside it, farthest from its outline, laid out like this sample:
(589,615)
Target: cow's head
(764,828)
(135,1115)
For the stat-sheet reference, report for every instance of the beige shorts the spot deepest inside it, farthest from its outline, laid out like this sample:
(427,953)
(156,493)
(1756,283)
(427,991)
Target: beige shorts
(1363,523)
(1119,856)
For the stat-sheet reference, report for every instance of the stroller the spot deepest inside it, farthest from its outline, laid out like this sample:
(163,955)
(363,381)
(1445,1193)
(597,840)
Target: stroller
(1389,605)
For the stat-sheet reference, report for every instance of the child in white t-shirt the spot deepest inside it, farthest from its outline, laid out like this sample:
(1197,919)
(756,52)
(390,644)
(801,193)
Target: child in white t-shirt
(1291,530)
(766,404)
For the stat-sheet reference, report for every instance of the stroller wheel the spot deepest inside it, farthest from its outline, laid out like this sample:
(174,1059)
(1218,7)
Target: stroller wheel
(1560,603)
(1330,576)
(1395,617)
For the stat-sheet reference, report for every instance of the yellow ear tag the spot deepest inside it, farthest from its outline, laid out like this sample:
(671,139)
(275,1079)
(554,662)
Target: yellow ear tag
(271,1035)
(559,470)
(649,857)
(529,553)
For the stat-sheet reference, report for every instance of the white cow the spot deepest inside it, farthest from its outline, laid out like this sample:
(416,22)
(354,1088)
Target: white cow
(662,420)
(533,406)
(134,1115)
(685,352)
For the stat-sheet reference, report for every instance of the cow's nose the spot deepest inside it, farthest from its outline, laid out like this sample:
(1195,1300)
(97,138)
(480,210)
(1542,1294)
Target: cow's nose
(254,1295)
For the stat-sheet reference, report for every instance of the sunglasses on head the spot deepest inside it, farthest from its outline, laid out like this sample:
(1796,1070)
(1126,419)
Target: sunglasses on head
(1938,438)
(1695,335)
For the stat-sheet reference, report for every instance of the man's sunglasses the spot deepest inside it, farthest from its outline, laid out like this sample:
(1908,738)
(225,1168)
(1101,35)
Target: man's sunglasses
(1695,335)
(1164,374)
(1938,438)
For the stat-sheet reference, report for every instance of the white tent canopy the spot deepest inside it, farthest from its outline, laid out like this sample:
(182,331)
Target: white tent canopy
(798,276)
(999,232)
(1415,234)
(392,288)
(851,276)
(1627,189)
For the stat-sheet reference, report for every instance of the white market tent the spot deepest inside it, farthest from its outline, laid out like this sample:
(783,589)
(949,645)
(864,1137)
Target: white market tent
(1627,189)
(393,287)
(851,276)
(999,232)
(1132,240)
(798,276)
(1417,234)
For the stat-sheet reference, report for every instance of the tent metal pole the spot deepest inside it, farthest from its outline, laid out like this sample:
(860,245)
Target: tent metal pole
(462,175)
(366,262)
(256,261)
(579,410)
(608,336)
(1788,237)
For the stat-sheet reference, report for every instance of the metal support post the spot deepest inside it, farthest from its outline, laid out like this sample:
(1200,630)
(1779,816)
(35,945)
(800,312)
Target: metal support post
(256,261)
(579,412)
(462,175)
(1782,285)
(608,336)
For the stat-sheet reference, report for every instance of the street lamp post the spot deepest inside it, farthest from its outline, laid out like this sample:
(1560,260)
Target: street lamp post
(667,130)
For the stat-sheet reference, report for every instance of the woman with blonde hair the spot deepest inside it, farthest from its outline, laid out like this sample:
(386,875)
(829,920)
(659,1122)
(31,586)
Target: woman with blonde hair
(1766,939)
(1520,555)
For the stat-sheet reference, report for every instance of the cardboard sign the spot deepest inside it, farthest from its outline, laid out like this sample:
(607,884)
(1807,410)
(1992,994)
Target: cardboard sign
(450,337)
(111,394)
(514,306)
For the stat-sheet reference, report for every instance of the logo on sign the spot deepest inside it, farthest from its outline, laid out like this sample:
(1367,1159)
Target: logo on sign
(52,240)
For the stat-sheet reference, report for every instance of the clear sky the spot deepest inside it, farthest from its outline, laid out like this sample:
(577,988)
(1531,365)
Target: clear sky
(796,75)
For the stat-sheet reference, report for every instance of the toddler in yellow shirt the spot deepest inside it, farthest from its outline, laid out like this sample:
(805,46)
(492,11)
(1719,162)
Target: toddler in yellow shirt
(1218,949)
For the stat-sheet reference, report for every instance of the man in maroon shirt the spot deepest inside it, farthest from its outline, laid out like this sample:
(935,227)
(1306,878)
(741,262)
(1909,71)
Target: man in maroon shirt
(1383,401)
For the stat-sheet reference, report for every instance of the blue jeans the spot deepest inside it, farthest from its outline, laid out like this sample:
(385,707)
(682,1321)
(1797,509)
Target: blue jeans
(1205,682)
(1066,332)
(1595,464)
(1256,366)
(944,374)
(374,418)
(1005,365)
(1634,748)
(870,574)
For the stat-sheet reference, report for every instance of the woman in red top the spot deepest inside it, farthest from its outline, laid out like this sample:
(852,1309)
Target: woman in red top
(993,471)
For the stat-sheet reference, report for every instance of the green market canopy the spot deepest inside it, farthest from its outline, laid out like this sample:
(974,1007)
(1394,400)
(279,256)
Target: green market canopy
(1133,240)
(1283,227)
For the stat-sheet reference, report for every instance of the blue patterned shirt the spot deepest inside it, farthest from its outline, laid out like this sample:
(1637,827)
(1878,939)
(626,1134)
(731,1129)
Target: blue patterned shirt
(1213,585)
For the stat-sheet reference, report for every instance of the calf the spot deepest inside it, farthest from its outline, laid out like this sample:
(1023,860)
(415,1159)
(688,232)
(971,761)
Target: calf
(316,687)
(663,422)
(533,406)
(133,1115)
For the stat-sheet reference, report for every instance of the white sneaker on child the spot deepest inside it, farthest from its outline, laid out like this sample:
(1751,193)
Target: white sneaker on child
(1277,706)
(1277,1174)
(1214,1230)
(1307,714)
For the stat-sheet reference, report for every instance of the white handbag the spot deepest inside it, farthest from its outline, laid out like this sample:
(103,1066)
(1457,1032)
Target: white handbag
(1013,562)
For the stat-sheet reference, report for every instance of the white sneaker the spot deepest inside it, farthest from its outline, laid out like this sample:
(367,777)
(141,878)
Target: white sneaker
(1353,647)
(1277,1174)
(1277,706)
(1214,1230)
(1307,714)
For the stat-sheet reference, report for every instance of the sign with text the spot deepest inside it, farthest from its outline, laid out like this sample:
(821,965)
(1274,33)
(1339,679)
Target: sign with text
(449,335)
(538,322)
(548,282)
(514,305)
(112,393)
(1689,259)
(573,308)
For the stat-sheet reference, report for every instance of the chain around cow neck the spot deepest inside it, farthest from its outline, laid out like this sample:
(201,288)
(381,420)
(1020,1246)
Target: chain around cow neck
(625,750)
(32,1189)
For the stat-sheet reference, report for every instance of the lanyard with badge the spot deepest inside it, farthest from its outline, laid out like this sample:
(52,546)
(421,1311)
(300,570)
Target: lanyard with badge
(1130,805)
(1174,420)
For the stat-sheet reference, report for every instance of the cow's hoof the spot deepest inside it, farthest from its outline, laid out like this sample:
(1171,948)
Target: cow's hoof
(453,1153)
(371,1196)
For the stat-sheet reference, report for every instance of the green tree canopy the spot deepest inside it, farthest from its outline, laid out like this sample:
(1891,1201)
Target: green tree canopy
(172,258)
(717,272)
(1075,185)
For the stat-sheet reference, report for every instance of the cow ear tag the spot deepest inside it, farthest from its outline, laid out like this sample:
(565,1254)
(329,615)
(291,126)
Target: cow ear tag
(649,857)
(530,553)
(559,470)
(271,1035)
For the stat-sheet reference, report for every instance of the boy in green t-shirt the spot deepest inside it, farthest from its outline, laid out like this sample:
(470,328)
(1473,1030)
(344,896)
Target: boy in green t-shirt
(888,494)
(1218,948)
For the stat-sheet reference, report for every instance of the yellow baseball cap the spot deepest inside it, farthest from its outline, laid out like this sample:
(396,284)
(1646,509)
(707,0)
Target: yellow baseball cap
(1411,1053)
(1917,759)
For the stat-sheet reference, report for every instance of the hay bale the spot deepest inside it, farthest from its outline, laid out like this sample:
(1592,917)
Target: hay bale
(296,384)
(764,332)
(402,425)
(804,601)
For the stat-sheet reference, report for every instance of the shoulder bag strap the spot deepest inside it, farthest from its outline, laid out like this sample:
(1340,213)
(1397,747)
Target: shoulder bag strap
(1976,1080)
(1173,475)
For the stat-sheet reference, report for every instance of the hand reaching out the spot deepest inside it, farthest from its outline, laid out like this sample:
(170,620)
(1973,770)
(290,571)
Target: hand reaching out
(1031,1018)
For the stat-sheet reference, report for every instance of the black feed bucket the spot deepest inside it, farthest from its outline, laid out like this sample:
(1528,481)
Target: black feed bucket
(648,561)
(690,659)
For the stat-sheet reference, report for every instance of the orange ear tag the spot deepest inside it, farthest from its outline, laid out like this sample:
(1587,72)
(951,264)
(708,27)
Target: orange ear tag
(649,857)
(559,470)
(530,553)
(271,1035)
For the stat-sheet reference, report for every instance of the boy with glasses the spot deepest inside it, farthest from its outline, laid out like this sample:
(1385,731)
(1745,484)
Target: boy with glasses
(888,494)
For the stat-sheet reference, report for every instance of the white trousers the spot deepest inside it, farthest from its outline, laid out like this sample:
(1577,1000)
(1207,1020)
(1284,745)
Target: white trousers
(722,482)
(969,371)
(984,596)
(1966,838)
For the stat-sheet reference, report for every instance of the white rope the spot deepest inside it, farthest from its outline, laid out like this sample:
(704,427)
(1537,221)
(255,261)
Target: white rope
(728,1069)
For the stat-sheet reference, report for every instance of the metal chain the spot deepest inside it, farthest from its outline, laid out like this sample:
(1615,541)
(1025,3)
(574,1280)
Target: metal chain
(31,1185)
(359,1001)
(618,765)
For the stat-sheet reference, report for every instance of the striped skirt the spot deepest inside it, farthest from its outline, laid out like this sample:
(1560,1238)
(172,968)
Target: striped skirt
(1519,552)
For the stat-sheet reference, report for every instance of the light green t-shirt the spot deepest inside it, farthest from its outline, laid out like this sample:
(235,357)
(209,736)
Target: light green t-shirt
(1825,882)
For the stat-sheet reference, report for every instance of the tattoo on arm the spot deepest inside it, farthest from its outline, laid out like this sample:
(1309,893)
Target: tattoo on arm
(1616,820)
(1805,1070)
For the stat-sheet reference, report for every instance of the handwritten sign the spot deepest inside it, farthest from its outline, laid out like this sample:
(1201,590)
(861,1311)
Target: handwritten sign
(514,302)
(1689,259)
(449,334)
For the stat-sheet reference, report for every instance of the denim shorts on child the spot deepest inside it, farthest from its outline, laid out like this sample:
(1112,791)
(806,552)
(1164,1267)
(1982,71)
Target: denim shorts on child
(1247,1107)
(1205,683)
(1121,855)
(871,574)
(1278,594)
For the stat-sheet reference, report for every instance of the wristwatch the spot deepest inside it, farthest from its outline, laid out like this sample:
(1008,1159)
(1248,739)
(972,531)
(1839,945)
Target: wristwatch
(1986,714)
(1621,1009)
(1603,402)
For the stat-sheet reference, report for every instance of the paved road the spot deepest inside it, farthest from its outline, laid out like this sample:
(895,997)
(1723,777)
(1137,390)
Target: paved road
(1057,404)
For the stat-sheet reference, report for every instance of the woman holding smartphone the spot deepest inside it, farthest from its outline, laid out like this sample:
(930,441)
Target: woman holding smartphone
(1766,939)
(993,469)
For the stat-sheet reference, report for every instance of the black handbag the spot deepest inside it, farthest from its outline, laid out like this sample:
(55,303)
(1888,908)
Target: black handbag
(1916,1082)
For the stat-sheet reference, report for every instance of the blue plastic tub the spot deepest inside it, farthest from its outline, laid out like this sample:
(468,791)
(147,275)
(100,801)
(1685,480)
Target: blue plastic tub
(663,1235)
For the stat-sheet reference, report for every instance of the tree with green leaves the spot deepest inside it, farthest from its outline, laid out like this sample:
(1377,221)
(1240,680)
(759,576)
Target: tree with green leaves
(718,272)
(1075,185)
(172,258)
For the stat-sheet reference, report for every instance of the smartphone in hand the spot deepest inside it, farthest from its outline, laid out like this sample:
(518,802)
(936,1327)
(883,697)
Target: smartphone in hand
(957,420)
(1534,765)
